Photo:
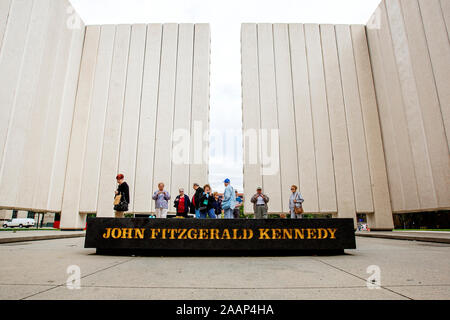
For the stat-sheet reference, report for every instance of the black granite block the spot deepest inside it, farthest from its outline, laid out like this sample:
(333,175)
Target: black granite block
(134,235)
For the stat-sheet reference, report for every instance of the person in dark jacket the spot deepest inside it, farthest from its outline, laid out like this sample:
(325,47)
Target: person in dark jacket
(182,204)
(192,206)
(196,199)
(206,203)
(124,191)
(217,205)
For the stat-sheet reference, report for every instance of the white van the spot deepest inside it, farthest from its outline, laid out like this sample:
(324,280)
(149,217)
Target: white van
(26,222)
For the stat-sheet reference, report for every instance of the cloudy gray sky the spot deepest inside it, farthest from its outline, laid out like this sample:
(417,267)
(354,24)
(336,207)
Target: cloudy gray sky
(225,18)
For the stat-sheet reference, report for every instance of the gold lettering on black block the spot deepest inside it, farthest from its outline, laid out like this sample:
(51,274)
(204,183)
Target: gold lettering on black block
(332,232)
(182,234)
(226,233)
(322,233)
(139,233)
(107,234)
(235,236)
(248,234)
(276,234)
(172,233)
(287,233)
(214,234)
(203,234)
(155,233)
(311,233)
(299,233)
(116,233)
(127,233)
(263,234)
(192,236)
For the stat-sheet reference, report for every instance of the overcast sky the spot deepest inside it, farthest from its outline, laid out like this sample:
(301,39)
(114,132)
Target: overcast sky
(225,18)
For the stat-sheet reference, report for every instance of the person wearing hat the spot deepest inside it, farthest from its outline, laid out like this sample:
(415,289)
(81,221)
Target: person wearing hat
(259,201)
(124,191)
(229,200)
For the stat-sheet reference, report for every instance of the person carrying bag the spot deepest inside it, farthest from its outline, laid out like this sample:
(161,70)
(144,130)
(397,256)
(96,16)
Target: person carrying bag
(122,198)
(120,204)
(296,203)
(298,209)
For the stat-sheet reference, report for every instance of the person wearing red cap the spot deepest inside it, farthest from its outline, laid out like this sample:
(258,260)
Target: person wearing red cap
(124,191)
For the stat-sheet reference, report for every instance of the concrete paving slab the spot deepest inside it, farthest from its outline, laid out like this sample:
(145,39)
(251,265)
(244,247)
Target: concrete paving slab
(225,272)
(16,292)
(400,262)
(427,236)
(424,292)
(98,293)
(409,270)
(46,262)
(25,235)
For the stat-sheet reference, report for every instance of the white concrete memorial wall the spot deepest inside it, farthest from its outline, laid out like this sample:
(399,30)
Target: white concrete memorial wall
(410,53)
(312,83)
(142,85)
(357,116)
(41,43)
(81,104)
(362,112)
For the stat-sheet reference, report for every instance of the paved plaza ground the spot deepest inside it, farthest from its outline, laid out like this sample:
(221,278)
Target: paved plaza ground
(409,270)
(7,236)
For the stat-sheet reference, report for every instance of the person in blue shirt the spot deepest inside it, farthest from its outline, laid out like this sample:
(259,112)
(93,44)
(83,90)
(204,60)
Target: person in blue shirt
(229,200)
(237,208)
(161,198)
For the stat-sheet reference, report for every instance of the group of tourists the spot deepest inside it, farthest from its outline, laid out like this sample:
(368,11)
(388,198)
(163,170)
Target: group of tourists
(205,203)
